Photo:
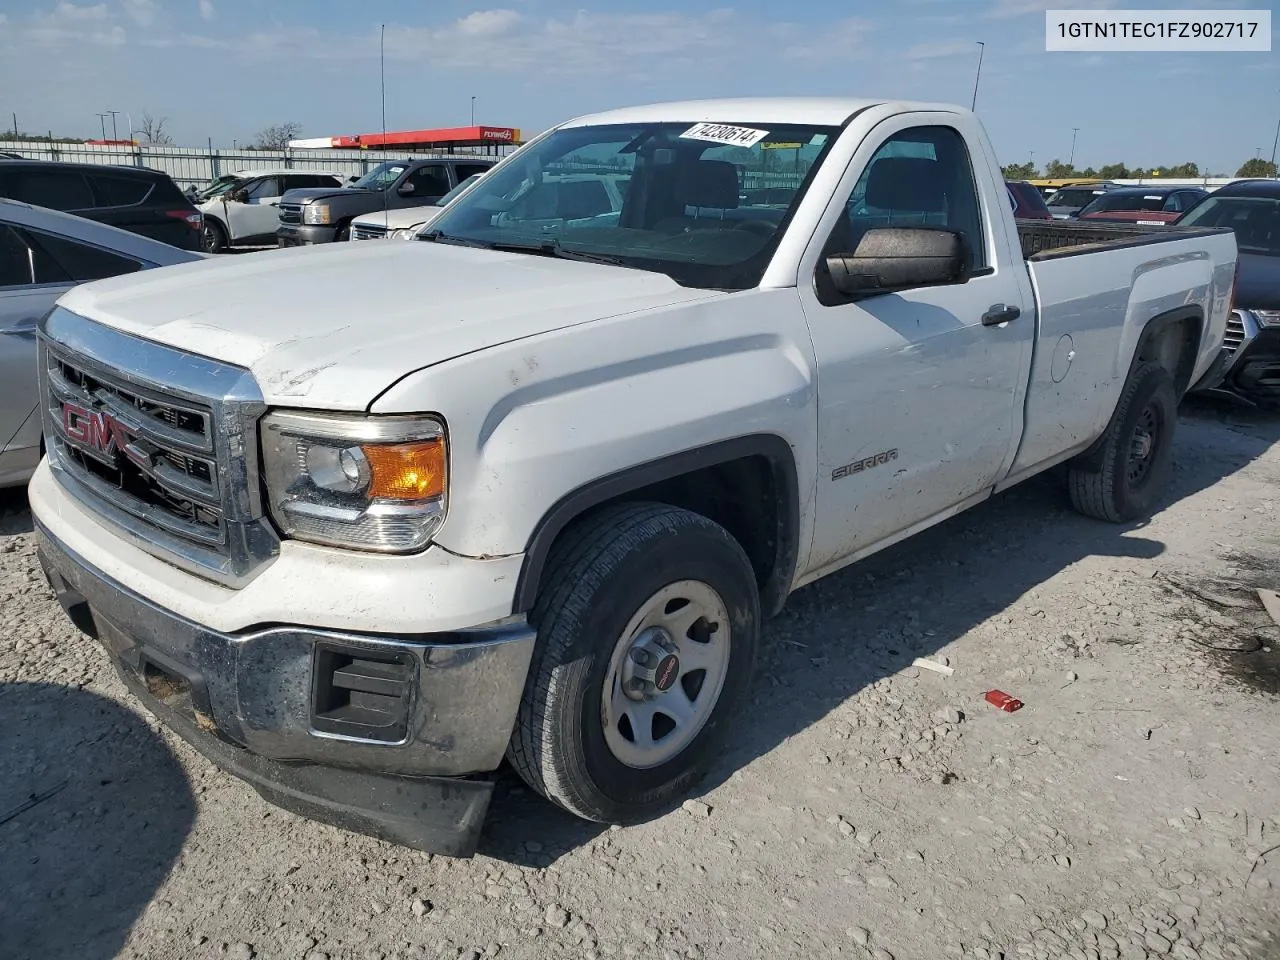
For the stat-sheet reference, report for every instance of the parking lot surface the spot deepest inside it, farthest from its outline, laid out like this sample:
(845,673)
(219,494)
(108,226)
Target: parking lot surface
(865,807)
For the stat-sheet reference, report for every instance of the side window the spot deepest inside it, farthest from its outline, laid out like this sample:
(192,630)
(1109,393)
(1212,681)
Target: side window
(119,191)
(55,189)
(69,259)
(430,181)
(919,177)
(464,170)
(264,189)
(15,259)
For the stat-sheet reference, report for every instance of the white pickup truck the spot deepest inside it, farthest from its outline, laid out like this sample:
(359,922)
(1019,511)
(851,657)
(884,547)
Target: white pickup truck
(360,522)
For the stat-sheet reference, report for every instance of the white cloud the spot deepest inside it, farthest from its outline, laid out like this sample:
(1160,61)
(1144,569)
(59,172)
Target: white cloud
(207,11)
(142,12)
(72,23)
(588,41)
(66,12)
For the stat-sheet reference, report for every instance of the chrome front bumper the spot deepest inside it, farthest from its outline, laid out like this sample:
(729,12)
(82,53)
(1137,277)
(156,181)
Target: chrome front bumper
(358,730)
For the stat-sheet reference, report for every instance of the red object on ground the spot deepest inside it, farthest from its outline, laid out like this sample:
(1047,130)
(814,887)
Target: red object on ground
(1002,701)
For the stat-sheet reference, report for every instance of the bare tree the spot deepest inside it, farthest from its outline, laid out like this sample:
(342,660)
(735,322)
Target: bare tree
(152,131)
(277,137)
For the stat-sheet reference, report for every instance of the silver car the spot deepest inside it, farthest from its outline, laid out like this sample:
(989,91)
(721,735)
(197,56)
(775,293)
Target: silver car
(43,254)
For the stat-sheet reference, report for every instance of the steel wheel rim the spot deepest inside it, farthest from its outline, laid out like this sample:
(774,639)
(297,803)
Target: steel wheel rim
(1142,447)
(652,707)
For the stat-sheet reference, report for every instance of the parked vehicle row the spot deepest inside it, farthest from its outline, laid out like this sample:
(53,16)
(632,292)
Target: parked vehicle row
(1148,206)
(592,427)
(243,208)
(407,222)
(322,215)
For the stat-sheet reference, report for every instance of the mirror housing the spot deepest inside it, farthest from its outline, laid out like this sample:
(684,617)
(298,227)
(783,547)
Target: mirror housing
(406,189)
(890,259)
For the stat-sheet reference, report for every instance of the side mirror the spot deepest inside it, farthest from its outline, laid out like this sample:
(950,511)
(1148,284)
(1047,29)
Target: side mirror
(406,189)
(889,259)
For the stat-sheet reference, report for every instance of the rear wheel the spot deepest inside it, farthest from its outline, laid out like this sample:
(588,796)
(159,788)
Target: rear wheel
(1123,477)
(648,624)
(213,237)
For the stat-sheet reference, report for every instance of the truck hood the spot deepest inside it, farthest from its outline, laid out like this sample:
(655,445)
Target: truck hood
(1258,285)
(401,218)
(332,326)
(308,194)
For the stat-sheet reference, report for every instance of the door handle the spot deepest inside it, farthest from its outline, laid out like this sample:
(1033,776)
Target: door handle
(1000,313)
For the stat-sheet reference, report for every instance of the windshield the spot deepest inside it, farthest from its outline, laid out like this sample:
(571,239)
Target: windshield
(703,203)
(380,177)
(458,189)
(220,186)
(1255,220)
(1074,196)
(1125,201)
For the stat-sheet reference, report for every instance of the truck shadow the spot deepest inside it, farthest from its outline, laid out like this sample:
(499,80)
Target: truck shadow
(94,809)
(845,632)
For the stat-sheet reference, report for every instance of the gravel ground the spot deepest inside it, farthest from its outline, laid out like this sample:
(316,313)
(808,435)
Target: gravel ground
(866,808)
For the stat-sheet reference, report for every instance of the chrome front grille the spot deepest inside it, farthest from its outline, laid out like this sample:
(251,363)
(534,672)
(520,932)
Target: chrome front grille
(1235,334)
(160,443)
(364,231)
(290,213)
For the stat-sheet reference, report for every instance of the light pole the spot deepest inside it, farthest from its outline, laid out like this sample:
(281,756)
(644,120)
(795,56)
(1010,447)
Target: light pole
(1273,145)
(115,134)
(473,111)
(982,47)
(1071,160)
(102,121)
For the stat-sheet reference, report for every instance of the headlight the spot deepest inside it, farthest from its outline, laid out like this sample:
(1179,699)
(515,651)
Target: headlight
(315,213)
(406,233)
(367,483)
(1268,318)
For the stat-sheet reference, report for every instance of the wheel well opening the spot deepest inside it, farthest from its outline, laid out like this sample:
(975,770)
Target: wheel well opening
(1173,344)
(742,496)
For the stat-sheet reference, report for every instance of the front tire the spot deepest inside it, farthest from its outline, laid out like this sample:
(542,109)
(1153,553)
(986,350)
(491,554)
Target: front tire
(213,238)
(648,623)
(1123,477)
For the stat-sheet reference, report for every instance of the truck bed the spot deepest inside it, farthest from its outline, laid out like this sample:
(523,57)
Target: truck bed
(1047,239)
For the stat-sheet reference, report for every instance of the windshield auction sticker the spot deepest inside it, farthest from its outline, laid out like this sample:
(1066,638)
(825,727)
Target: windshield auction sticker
(1158,31)
(723,133)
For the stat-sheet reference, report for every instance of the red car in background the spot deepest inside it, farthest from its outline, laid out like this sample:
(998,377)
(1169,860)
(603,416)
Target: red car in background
(1027,202)
(1148,206)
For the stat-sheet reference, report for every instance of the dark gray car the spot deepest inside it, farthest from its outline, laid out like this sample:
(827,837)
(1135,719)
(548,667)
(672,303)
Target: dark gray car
(322,216)
(43,254)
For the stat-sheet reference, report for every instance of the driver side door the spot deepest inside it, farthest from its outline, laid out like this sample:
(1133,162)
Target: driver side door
(919,399)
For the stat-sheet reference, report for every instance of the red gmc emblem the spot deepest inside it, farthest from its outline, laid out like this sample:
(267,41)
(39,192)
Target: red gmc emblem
(94,429)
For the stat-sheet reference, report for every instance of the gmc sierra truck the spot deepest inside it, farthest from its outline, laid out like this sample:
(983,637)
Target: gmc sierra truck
(360,521)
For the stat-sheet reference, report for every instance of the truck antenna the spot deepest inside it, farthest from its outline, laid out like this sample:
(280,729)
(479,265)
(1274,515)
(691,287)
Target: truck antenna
(382,69)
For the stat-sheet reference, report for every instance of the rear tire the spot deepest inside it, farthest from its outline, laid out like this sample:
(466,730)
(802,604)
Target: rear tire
(648,622)
(1123,477)
(213,237)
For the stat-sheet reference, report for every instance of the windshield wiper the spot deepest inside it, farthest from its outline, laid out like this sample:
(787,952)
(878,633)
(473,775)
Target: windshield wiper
(554,248)
(435,236)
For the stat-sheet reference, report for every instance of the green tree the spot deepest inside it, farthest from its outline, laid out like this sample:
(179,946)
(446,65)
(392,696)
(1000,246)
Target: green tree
(1257,167)
(1181,170)
(1114,171)
(1088,172)
(1020,171)
(1057,170)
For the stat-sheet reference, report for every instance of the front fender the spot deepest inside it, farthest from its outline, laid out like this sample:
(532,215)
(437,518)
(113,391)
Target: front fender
(532,421)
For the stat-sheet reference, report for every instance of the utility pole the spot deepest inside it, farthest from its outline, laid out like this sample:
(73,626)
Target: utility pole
(115,134)
(473,111)
(15,126)
(102,121)
(1071,160)
(982,47)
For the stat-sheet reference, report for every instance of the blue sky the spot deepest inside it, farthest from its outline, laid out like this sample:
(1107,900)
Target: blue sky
(224,69)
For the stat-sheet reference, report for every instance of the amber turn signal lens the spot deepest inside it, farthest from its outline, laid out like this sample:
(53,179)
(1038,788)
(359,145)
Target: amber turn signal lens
(405,471)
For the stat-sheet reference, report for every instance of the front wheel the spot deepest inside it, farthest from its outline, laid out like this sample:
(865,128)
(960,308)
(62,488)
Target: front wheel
(213,238)
(648,624)
(1123,477)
